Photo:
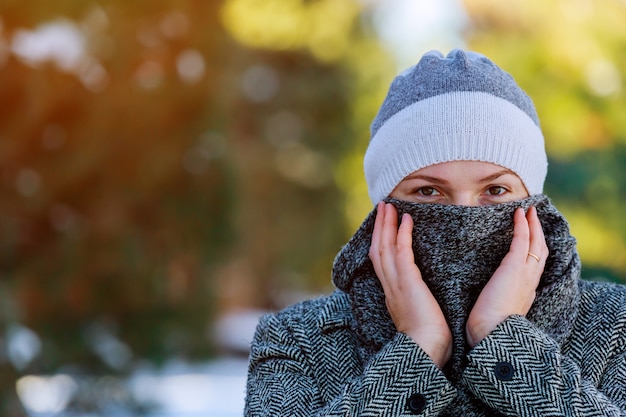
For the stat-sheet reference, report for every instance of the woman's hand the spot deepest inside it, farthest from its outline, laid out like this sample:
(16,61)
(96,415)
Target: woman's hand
(411,305)
(511,289)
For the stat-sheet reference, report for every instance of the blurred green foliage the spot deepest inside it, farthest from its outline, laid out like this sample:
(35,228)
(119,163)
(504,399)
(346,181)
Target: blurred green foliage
(155,172)
(571,59)
(193,158)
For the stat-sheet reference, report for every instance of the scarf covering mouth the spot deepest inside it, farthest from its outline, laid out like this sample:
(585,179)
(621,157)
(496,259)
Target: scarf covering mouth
(457,250)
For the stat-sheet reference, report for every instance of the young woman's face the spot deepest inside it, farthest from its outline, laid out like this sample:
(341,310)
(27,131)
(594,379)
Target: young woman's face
(462,183)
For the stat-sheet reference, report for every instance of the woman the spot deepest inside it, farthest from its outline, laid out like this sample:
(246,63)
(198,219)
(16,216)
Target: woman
(460,293)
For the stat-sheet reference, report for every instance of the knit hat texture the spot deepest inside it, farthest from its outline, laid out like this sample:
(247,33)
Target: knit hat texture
(461,107)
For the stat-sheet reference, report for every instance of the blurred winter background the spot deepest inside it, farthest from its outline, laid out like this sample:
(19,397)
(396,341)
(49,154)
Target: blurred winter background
(169,170)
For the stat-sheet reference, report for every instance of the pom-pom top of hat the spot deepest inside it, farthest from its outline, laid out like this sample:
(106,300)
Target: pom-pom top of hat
(449,108)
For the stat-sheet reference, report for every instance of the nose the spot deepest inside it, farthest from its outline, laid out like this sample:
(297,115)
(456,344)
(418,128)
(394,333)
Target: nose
(464,199)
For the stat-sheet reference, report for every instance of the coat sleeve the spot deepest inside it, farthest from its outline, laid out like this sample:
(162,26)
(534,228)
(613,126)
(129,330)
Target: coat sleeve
(520,371)
(282,380)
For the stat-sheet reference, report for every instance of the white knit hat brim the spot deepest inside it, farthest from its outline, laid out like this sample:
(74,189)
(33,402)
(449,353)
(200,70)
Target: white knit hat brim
(456,126)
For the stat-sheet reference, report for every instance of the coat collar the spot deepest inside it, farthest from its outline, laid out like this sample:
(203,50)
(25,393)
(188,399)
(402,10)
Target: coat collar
(336,314)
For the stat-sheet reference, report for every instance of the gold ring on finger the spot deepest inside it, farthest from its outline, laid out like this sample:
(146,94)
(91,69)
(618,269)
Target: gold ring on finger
(535,257)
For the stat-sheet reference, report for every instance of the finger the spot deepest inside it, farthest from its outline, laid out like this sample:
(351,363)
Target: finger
(405,230)
(388,240)
(521,236)
(389,229)
(537,244)
(374,252)
(378,224)
(405,255)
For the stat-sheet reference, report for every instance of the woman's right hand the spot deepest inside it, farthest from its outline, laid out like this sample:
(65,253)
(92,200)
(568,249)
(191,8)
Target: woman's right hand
(410,303)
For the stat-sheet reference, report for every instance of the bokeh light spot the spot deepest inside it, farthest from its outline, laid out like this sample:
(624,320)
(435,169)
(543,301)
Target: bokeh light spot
(175,25)
(46,394)
(149,75)
(60,42)
(28,182)
(260,83)
(190,66)
(603,77)
(23,345)
(304,166)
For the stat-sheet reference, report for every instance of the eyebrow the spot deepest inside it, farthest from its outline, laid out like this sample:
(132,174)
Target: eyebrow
(437,180)
(496,175)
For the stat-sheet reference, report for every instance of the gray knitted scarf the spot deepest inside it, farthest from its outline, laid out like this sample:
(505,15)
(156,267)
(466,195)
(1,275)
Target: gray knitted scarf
(458,249)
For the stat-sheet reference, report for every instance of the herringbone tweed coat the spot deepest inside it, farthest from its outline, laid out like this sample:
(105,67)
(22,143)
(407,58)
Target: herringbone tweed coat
(340,355)
(304,361)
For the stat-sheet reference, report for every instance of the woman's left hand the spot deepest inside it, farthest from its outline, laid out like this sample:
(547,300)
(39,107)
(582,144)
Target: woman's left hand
(511,289)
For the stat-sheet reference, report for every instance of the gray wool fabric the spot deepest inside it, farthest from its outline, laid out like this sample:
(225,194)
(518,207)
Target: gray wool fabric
(458,107)
(459,71)
(457,250)
(338,355)
(341,355)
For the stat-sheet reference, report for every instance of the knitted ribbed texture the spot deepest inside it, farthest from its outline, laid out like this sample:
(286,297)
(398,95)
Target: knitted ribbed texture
(459,107)
(307,360)
(458,249)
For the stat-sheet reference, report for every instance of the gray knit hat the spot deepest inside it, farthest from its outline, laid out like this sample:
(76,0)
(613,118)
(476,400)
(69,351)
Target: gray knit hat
(461,107)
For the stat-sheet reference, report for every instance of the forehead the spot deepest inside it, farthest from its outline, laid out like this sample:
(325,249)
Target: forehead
(463,166)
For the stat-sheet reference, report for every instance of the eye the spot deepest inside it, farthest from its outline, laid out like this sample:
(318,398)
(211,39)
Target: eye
(496,190)
(427,191)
